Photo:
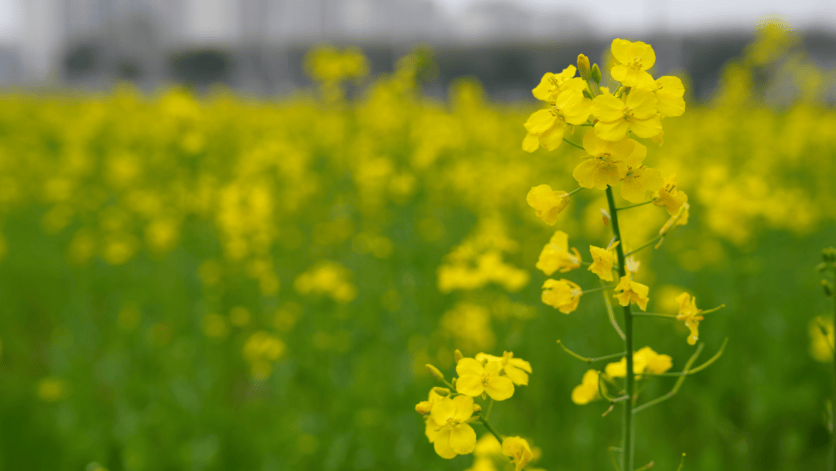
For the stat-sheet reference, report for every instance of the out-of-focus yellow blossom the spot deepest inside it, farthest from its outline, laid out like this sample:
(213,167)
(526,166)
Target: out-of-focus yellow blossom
(487,450)
(52,389)
(448,429)
(546,127)
(547,203)
(327,278)
(561,294)
(602,261)
(689,313)
(519,451)
(678,219)
(555,255)
(634,58)
(215,326)
(822,343)
(515,368)
(587,391)
(632,291)
(608,161)
(436,394)
(644,361)
(476,378)
(670,197)
(469,324)
(636,113)
(260,350)
(670,91)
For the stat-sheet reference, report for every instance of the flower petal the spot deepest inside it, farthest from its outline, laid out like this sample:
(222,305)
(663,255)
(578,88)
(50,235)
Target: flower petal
(499,388)
(463,439)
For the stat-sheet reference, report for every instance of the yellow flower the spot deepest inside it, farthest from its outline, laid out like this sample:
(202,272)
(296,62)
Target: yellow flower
(519,451)
(634,58)
(638,182)
(476,379)
(602,260)
(561,294)
(516,369)
(608,161)
(448,429)
(616,116)
(632,292)
(644,361)
(821,343)
(670,197)
(555,255)
(669,91)
(689,313)
(552,84)
(546,127)
(547,203)
(436,394)
(587,391)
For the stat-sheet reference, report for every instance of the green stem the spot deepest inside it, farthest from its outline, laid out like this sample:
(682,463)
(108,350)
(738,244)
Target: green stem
(646,467)
(634,205)
(488,412)
(592,290)
(688,372)
(611,315)
(629,378)
(646,244)
(654,314)
(589,360)
(676,386)
(572,143)
(574,191)
(491,429)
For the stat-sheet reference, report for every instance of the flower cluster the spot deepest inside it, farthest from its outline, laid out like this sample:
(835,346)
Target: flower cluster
(449,412)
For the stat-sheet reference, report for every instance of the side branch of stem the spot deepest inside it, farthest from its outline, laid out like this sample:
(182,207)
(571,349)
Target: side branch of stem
(589,360)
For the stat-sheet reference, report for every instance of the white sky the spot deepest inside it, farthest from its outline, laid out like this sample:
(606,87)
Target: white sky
(615,16)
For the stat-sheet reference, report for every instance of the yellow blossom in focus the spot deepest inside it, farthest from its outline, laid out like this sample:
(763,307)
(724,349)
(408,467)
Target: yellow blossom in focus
(546,127)
(436,394)
(644,361)
(689,313)
(552,84)
(638,181)
(555,255)
(636,113)
(587,391)
(822,343)
(448,429)
(516,369)
(519,451)
(476,378)
(670,197)
(547,203)
(608,161)
(632,291)
(669,91)
(634,58)
(561,294)
(602,261)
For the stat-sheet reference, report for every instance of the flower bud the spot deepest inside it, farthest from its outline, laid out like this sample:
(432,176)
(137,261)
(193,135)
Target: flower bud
(443,392)
(424,407)
(459,355)
(587,94)
(583,67)
(435,372)
(595,73)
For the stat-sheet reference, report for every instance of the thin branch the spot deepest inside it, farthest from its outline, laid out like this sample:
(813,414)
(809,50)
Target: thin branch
(592,290)
(574,191)
(611,316)
(589,360)
(655,314)
(610,451)
(688,372)
(646,244)
(572,143)
(676,386)
(646,467)
(633,205)
(491,429)
(681,463)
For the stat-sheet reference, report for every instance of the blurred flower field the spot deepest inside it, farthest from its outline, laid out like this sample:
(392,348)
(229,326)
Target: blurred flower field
(220,282)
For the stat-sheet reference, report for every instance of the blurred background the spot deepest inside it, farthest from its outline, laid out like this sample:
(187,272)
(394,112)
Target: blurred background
(233,232)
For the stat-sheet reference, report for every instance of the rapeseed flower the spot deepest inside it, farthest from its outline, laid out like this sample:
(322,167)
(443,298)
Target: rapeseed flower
(634,59)
(561,294)
(670,197)
(519,451)
(516,369)
(547,203)
(436,394)
(689,313)
(555,255)
(632,292)
(669,93)
(477,378)
(602,261)
(587,391)
(644,361)
(448,426)
(608,161)
(547,127)
(636,112)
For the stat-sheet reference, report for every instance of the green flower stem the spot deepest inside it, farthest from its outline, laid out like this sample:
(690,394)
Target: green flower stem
(488,412)
(646,467)
(681,463)
(634,205)
(676,386)
(610,451)
(572,143)
(611,315)
(589,360)
(491,429)
(654,314)
(592,290)
(629,379)
(687,371)
(574,191)
(646,244)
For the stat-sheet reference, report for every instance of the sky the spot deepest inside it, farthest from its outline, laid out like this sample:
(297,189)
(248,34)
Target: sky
(618,16)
